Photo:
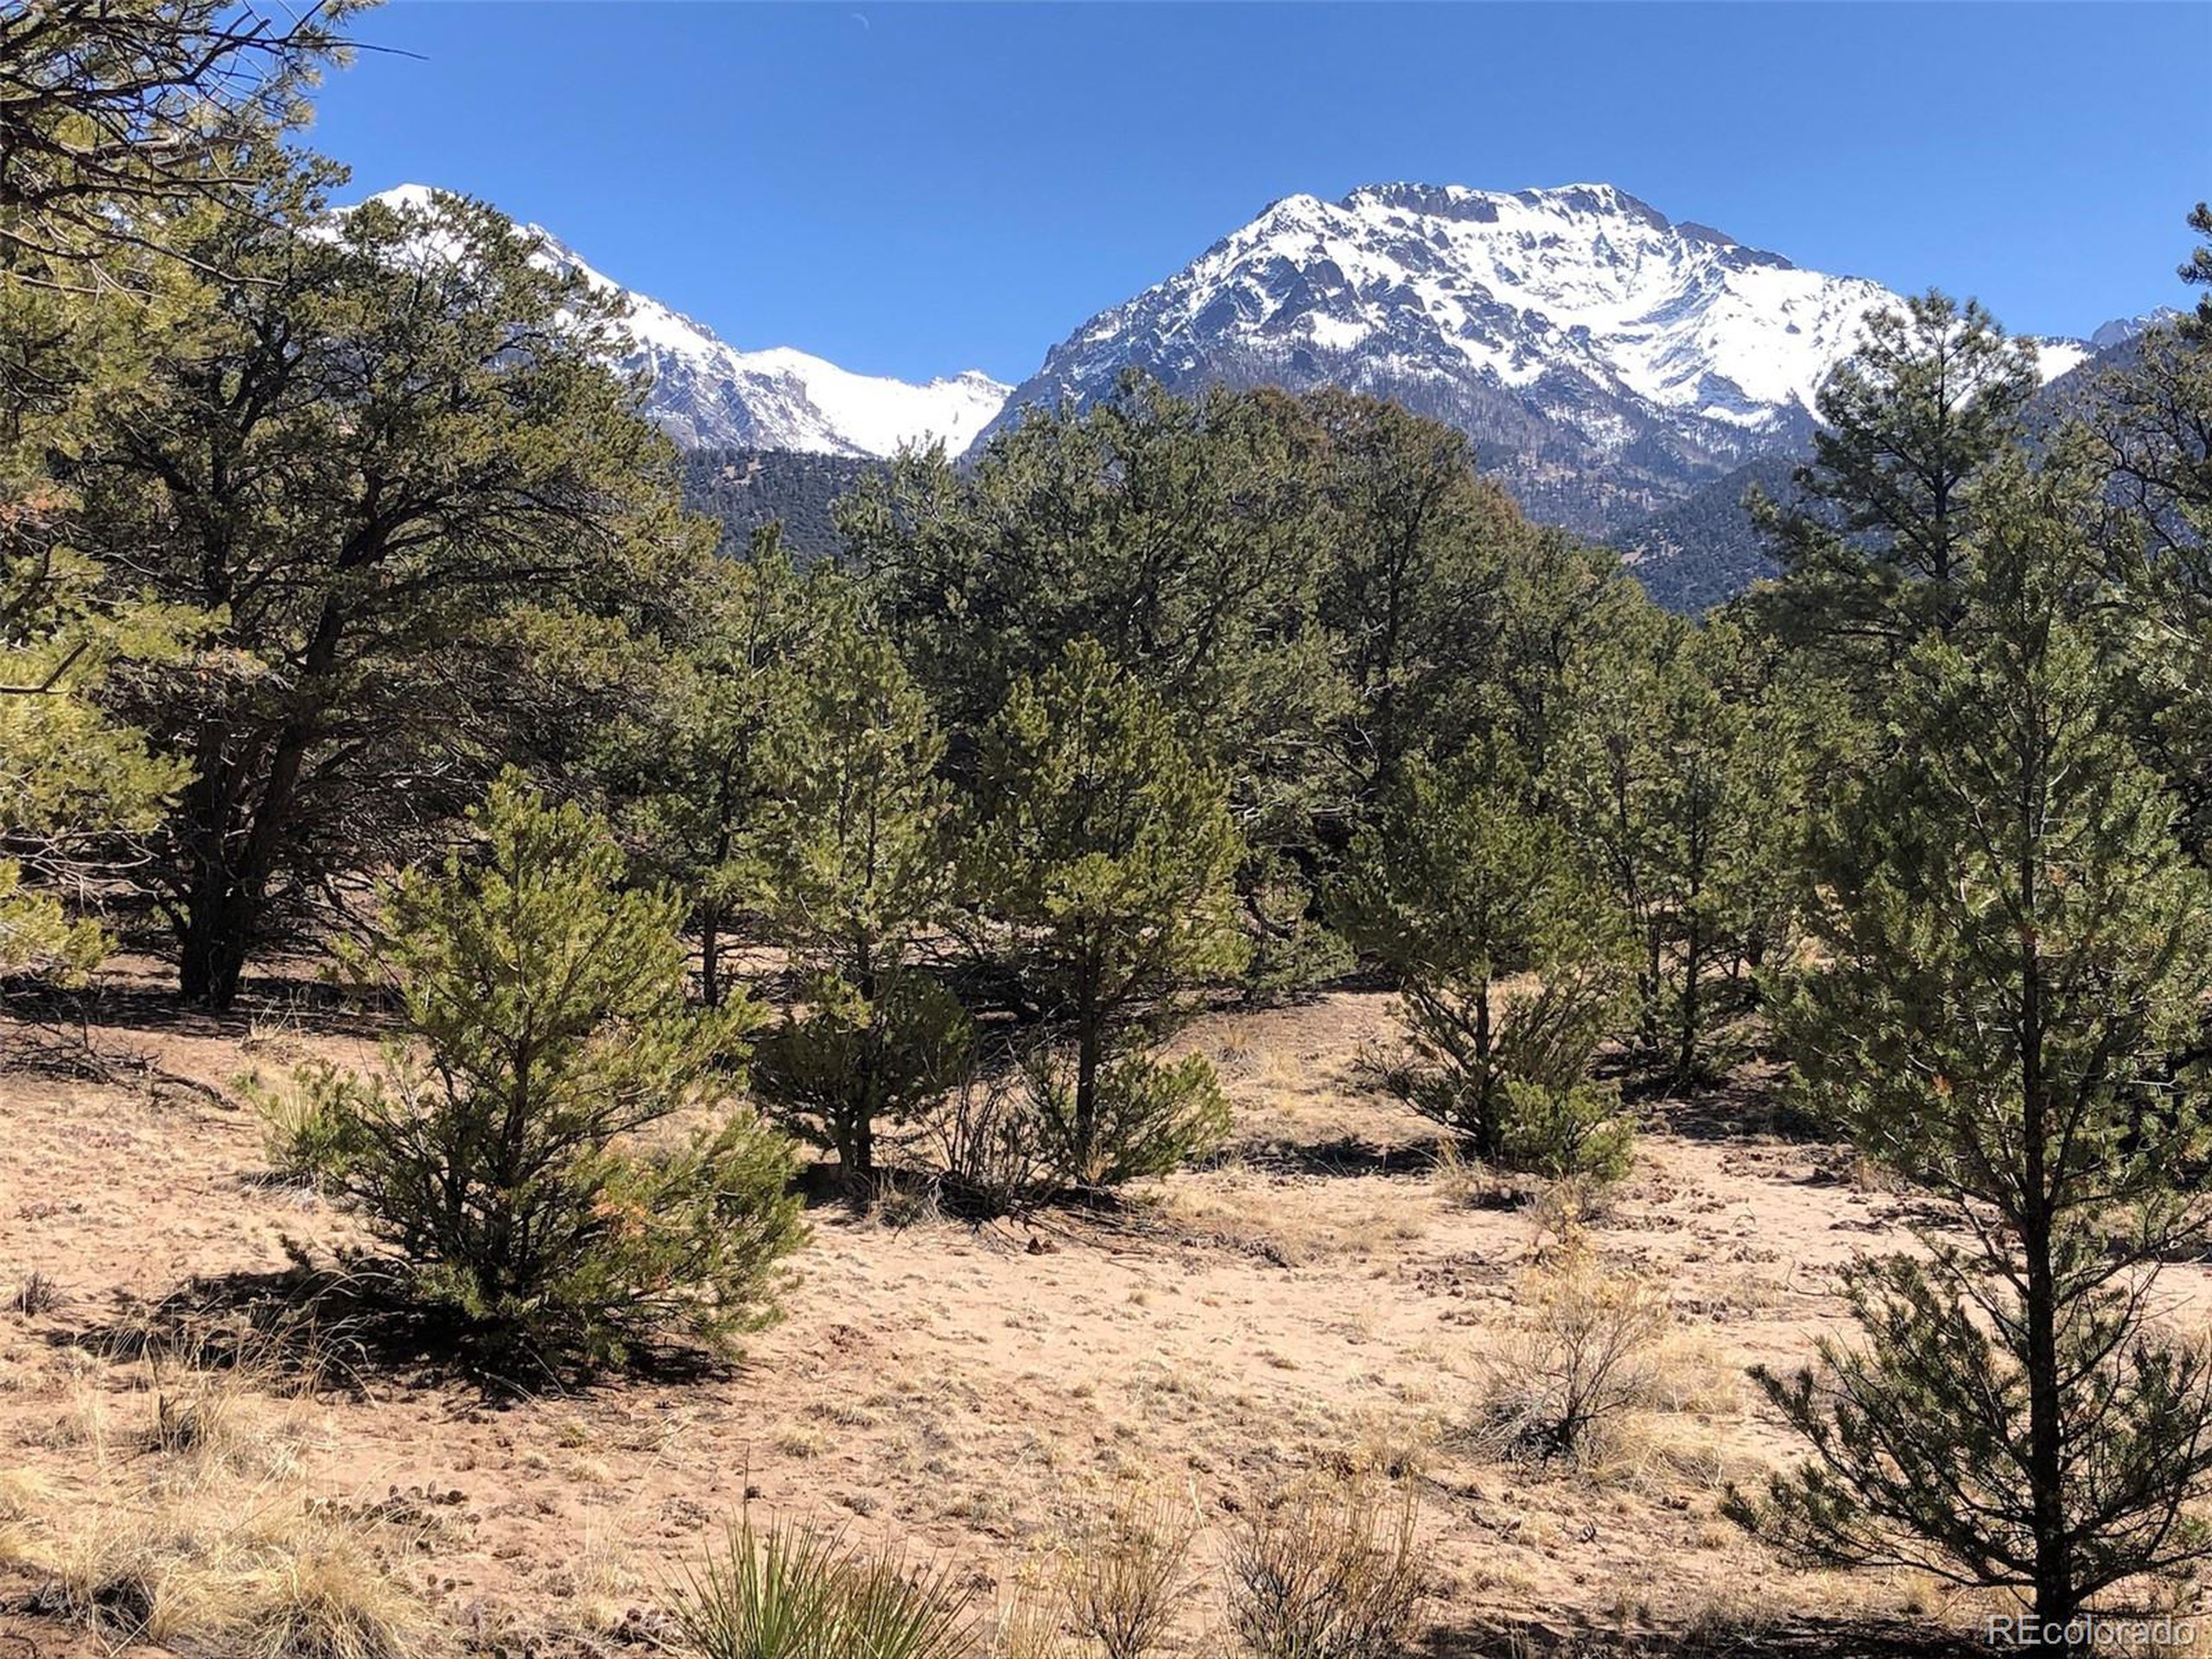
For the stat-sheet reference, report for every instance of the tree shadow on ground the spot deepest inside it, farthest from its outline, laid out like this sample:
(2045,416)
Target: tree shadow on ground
(353,1329)
(1747,1104)
(1344,1156)
(302,998)
(1760,1638)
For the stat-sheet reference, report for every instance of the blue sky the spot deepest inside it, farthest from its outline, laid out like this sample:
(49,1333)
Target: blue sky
(915,189)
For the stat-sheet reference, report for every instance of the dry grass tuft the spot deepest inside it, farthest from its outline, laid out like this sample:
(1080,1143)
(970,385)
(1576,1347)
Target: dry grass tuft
(1325,1574)
(36,1295)
(265,1573)
(1589,1359)
(226,1401)
(1027,1626)
(203,1536)
(1466,1183)
(1128,1572)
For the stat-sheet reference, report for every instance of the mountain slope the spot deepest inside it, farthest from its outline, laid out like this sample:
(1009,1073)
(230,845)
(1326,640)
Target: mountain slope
(1605,360)
(706,393)
(1704,549)
(743,489)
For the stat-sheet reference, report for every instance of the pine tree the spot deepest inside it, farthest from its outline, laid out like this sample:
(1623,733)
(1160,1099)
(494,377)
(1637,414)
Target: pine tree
(856,876)
(1682,789)
(112,115)
(1102,855)
(2014,949)
(694,771)
(113,119)
(2147,437)
(1508,963)
(395,467)
(1874,546)
(548,1031)
(71,777)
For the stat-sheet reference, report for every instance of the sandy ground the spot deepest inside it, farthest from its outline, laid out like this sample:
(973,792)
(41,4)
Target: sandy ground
(1319,1301)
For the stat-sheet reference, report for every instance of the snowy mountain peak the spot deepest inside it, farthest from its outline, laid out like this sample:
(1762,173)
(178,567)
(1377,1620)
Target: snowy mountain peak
(2120,330)
(1604,357)
(706,392)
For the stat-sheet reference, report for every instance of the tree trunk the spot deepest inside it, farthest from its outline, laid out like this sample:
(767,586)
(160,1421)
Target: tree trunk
(1090,1056)
(230,888)
(2056,1599)
(710,954)
(1490,1131)
(1686,1044)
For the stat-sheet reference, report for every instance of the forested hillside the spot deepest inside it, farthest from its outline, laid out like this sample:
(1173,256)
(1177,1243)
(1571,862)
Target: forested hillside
(744,489)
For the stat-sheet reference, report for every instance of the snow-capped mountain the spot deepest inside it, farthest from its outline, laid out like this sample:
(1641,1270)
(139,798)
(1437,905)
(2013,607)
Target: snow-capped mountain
(1605,359)
(705,393)
(2120,330)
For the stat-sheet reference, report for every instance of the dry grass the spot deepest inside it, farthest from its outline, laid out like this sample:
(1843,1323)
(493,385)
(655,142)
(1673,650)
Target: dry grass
(1587,1360)
(1322,1574)
(36,1295)
(1325,1306)
(1128,1571)
(267,1573)
(1027,1625)
(188,1524)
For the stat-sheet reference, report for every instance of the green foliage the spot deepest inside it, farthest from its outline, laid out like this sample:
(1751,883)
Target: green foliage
(744,491)
(1171,533)
(1875,542)
(1508,964)
(115,111)
(108,123)
(1315,587)
(857,873)
(2015,950)
(787,1592)
(418,509)
(1681,770)
(501,1162)
(1565,1130)
(1147,1117)
(71,777)
(1101,856)
(310,1122)
(849,1064)
(1293,948)
(1705,550)
(2148,444)
(695,773)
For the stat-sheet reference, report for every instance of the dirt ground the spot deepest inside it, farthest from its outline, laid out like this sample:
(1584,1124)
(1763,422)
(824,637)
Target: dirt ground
(1322,1301)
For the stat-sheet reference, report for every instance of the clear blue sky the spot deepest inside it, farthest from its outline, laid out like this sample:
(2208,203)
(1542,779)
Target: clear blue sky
(916,189)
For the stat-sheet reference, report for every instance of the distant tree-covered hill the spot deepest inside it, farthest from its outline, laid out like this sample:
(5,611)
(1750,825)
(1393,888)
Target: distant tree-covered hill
(1704,549)
(746,488)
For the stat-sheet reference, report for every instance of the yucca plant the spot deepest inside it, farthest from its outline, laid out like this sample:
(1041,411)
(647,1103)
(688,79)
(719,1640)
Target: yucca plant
(792,1592)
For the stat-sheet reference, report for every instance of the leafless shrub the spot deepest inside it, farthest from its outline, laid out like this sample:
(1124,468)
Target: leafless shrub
(1588,1357)
(1129,1571)
(988,1145)
(1325,1574)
